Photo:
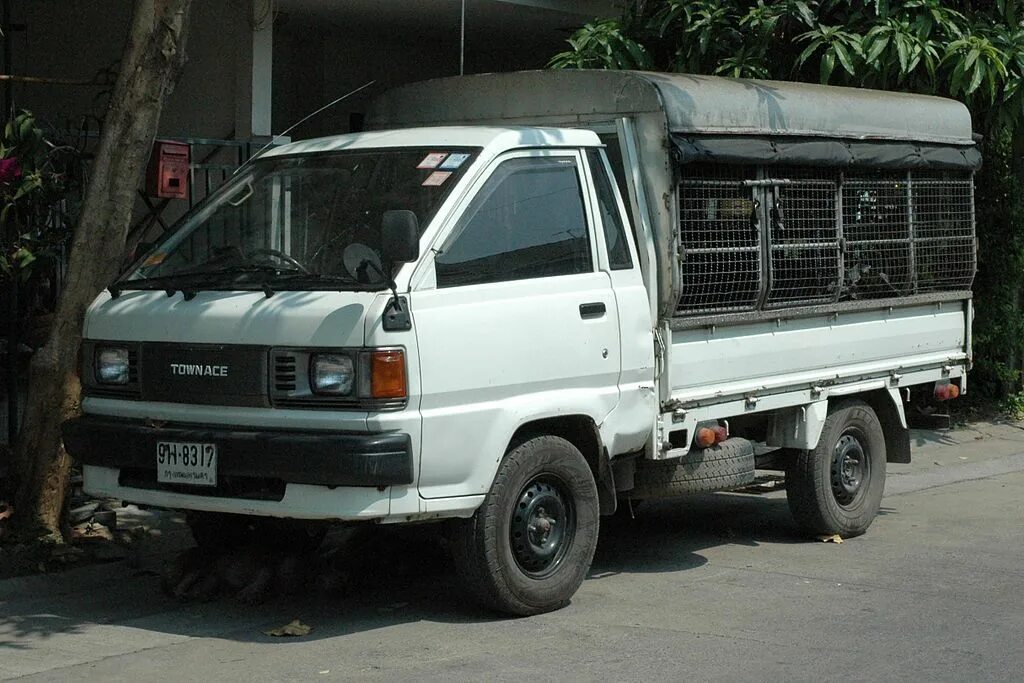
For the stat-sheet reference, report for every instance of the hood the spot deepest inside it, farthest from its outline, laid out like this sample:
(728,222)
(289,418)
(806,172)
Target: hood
(297,318)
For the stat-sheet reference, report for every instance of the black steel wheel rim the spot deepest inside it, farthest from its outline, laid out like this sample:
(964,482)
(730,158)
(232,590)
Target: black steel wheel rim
(542,526)
(850,469)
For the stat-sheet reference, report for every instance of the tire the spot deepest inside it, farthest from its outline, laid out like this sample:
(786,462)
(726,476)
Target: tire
(726,466)
(837,487)
(531,563)
(220,531)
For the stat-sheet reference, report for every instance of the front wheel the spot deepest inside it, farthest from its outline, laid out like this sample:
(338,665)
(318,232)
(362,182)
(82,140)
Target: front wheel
(529,546)
(837,487)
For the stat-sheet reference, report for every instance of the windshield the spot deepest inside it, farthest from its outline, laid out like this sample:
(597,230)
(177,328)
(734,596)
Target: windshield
(303,222)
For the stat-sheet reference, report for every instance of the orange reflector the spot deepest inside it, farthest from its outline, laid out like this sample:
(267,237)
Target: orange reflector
(706,437)
(387,374)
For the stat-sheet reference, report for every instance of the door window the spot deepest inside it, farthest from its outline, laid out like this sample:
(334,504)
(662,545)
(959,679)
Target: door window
(527,221)
(611,219)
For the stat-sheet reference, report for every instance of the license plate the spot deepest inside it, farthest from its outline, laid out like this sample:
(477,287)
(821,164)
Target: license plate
(182,462)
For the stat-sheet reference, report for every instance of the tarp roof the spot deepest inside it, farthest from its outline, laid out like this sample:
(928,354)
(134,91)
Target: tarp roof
(700,105)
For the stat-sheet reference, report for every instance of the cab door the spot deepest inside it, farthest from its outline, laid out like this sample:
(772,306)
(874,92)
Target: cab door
(516,322)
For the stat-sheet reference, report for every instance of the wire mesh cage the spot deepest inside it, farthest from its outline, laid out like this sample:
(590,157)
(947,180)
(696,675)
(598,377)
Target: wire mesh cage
(779,237)
(803,237)
(876,228)
(942,207)
(721,267)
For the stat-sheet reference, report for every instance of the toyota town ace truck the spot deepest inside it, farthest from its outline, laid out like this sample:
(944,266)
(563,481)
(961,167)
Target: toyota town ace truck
(520,300)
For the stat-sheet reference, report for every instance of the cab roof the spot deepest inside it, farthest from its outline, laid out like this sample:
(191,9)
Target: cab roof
(444,136)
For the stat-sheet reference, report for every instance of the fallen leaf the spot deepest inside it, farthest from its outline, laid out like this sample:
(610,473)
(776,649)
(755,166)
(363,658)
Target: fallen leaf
(292,629)
(834,538)
(91,531)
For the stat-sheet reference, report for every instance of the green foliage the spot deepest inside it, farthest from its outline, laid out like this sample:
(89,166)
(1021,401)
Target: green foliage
(602,45)
(34,181)
(972,51)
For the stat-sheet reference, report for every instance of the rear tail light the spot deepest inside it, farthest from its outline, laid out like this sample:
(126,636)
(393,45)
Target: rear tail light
(711,435)
(946,391)
(387,374)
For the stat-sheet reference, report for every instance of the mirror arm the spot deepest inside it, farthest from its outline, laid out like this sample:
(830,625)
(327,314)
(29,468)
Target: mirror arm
(396,302)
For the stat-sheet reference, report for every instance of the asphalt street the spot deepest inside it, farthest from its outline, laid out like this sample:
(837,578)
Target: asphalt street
(714,587)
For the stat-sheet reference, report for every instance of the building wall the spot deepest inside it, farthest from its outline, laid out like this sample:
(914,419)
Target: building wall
(317,60)
(77,39)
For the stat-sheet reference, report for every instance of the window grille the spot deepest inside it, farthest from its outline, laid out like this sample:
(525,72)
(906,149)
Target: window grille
(721,267)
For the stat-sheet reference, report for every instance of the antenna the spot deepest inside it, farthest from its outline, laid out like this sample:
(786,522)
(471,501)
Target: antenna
(462,41)
(295,125)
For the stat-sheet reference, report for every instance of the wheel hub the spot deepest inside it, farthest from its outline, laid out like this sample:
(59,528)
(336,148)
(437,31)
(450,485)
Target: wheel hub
(850,468)
(541,527)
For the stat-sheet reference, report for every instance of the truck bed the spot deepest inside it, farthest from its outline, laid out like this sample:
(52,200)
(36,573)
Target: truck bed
(712,363)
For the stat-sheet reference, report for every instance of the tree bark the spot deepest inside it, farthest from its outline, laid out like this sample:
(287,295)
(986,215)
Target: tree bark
(151,63)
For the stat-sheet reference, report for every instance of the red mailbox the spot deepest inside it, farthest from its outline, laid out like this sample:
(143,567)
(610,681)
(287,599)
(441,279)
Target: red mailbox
(167,175)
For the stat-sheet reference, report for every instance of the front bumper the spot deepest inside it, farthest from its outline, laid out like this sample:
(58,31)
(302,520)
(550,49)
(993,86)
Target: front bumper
(290,457)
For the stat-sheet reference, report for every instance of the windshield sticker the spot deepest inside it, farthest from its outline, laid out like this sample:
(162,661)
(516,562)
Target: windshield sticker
(454,161)
(432,160)
(436,178)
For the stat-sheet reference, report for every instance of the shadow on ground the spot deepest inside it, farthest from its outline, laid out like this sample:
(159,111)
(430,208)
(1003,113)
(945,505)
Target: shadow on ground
(404,575)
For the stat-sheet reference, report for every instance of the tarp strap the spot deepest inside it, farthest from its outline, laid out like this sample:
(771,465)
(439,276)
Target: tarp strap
(738,149)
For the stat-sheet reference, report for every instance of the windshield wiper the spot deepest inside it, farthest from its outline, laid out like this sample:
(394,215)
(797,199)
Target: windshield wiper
(189,283)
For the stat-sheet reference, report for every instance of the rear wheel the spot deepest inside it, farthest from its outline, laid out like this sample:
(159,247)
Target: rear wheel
(837,487)
(529,546)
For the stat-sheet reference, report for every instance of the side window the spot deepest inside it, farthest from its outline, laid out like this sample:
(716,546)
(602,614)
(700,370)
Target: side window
(526,222)
(611,219)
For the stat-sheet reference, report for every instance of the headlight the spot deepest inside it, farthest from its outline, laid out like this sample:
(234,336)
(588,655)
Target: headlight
(331,373)
(112,366)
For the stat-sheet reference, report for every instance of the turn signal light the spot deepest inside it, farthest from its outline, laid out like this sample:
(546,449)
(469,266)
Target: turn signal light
(387,374)
(706,437)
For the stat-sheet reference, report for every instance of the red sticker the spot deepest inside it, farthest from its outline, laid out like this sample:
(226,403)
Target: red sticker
(436,178)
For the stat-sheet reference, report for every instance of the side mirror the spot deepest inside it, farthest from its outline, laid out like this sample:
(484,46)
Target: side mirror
(400,236)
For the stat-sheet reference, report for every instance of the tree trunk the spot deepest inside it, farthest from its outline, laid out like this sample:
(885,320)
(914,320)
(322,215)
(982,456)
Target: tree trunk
(150,66)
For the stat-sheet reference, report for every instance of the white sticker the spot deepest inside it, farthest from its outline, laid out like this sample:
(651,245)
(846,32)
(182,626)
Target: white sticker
(436,178)
(432,160)
(454,161)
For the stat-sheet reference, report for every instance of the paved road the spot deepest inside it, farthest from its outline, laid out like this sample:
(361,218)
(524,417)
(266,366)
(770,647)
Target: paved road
(715,587)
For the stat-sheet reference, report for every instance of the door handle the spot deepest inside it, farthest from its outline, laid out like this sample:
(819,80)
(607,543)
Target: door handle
(595,309)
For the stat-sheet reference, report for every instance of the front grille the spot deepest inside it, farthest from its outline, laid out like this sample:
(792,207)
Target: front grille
(284,371)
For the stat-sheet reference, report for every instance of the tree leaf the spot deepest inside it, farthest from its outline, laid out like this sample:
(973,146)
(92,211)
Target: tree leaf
(844,57)
(828,63)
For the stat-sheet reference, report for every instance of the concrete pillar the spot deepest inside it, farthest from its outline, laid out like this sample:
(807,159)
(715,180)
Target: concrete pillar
(255,67)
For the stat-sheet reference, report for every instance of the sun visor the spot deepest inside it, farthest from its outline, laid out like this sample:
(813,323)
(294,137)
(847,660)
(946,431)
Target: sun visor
(740,149)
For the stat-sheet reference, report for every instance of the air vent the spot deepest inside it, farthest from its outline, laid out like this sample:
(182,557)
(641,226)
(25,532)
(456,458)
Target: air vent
(284,371)
(133,367)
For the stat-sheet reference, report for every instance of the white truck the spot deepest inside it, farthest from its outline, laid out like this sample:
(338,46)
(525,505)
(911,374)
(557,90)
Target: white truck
(521,299)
